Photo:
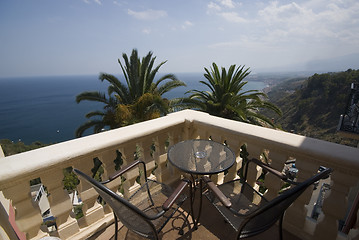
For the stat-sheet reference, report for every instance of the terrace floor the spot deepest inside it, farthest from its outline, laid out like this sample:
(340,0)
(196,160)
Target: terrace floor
(212,226)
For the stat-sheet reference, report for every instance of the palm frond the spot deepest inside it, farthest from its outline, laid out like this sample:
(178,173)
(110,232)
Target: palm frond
(168,86)
(227,98)
(116,86)
(87,125)
(94,114)
(92,96)
(138,93)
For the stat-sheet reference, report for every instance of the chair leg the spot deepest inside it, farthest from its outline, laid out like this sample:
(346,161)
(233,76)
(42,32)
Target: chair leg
(116,225)
(281,227)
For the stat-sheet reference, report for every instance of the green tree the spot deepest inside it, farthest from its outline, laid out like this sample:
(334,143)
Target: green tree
(138,99)
(70,180)
(10,148)
(227,98)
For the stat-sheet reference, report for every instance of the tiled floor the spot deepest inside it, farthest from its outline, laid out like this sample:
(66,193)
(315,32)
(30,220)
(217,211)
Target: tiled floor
(212,226)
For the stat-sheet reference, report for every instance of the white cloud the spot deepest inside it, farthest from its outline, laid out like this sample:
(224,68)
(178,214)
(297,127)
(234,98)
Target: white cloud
(274,13)
(146,31)
(117,3)
(296,31)
(98,2)
(227,3)
(306,28)
(213,6)
(225,44)
(232,17)
(222,9)
(187,24)
(148,14)
(310,21)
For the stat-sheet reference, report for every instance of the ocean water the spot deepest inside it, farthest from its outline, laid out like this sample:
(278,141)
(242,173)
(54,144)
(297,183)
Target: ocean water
(44,108)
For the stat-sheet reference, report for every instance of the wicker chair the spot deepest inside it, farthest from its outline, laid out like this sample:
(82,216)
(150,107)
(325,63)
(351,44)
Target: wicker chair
(148,210)
(247,210)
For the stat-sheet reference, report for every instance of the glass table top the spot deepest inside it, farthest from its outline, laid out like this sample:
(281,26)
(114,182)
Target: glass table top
(200,156)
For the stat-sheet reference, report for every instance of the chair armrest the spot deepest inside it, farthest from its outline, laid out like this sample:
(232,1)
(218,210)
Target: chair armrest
(224,200)
(123,170)
(269,169)
(171,199)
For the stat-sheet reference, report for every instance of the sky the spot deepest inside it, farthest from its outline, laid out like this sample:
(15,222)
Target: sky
(80,37)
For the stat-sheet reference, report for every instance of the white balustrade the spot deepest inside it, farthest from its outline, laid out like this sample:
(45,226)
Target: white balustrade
(149,141)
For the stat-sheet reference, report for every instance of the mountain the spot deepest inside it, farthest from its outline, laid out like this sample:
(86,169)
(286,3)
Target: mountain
(312,106)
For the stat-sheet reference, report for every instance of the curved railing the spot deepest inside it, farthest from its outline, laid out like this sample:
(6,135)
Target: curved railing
(150,140)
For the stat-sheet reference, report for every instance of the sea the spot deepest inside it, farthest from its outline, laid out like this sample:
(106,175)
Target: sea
(44,109)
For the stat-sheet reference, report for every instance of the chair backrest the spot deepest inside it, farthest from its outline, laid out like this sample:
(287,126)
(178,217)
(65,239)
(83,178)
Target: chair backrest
(269,213)
(130,216)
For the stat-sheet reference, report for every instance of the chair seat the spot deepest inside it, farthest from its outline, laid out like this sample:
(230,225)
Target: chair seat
(244,201)
(159,193)
(140,213)
(248,212)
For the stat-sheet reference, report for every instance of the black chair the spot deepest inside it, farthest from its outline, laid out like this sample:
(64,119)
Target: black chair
(141,213)
(247,210)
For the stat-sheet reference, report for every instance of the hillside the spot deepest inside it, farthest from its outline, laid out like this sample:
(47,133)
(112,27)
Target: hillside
(312,106)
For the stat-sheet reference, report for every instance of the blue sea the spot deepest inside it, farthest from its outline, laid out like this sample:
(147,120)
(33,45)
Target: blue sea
(44,108)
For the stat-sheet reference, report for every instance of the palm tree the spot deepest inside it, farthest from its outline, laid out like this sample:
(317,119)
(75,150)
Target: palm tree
(138,99)
(227,99)
(98,120)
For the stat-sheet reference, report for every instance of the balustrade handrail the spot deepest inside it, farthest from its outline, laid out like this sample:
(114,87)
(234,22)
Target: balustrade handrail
(31,162)
(311,153)
(324,152)
(337,156)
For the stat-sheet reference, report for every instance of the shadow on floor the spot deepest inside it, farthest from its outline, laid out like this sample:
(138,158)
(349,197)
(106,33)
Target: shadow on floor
(211,226)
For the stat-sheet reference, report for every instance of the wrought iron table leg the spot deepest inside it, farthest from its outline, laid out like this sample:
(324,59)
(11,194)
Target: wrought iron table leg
(193,190)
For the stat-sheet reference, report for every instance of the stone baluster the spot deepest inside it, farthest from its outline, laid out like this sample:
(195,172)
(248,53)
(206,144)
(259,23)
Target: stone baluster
(254,172)
(174,137)
(254,151)
(160,142)
(92,210)
(60,203)
(297,212)
(165,172)
(129,185)
(107,158)
(216,178)
(146,148)
(188,131)
(334,205)
(215,137)
(27,215)
(272,183)
(177,135)
(202,134)
(235,145)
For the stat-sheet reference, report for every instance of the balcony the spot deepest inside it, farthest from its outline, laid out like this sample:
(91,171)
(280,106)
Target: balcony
(151,139)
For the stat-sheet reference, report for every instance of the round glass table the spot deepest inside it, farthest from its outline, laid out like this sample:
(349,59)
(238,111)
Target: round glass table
(200,157)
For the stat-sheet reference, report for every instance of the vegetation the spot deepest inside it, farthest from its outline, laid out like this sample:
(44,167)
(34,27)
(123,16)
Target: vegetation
(140,99)
(70,180)
(78,211)
(227,99)
(11,148)
(312,106)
